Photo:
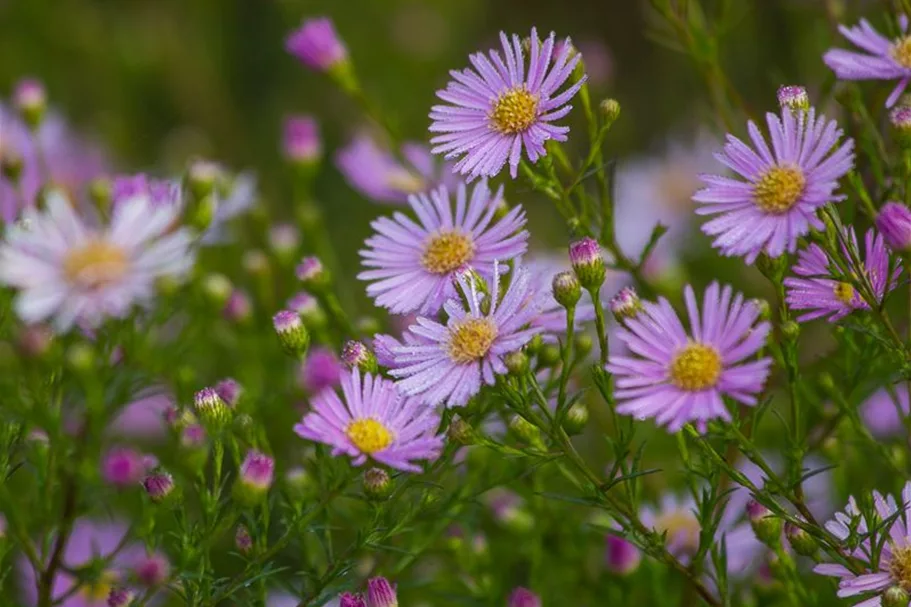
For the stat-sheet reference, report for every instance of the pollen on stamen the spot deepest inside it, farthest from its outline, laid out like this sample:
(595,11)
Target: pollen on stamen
(900,566)
(471,340)
(779,189)
(844,292)
(696,367)
(515,111)
(368,435)
(95,265)
(901,51)
(447,251)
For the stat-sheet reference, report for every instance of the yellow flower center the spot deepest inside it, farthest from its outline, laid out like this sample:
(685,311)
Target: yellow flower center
(96,264)
(901,51)
(844,292)
(447,251)
(682,528)
(368,435)
(514,111)
(97,591)
(406,181)
(900,566)
(696,367)
(471,339)
(779,189)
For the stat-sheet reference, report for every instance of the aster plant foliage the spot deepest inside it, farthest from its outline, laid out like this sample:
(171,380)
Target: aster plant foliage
(197,412)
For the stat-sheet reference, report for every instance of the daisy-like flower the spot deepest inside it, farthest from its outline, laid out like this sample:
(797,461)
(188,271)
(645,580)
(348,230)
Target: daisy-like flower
(497,109)
(457,358)
(677,377)
(782,187)
(375,421)
(72,272)
(54,151)
(412,265)
(377,174)
(882,59)
(823,297)
(890,532)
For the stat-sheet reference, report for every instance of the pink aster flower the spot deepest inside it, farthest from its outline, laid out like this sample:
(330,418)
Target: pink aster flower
(88,541)
(377,174)
(677,377)
(832,298)
(779,190)
(374,421)
(456,359)
(882,59)
(320,370)
(412,265)
(72,271)
(52,154)
(497,109)
(884,412)
(881,548)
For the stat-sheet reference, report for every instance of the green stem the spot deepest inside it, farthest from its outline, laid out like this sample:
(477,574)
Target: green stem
(600,325)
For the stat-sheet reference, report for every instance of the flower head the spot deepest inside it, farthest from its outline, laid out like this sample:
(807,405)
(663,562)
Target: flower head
(588,262)
(210,407)
(73,272)
(123,467)
(523,597)
(783,188)
(621,556)
(882,59)
(881,548)
(454,360)
(380,593)
(120,597)
(230,391)
(894,223)
(793,98)
(254,478)
(411,265)
(159,486)
(373,421)
(677,377)
(292,334)
(835,297)
(320,370)
(551,317)
(317,44)
(30,98)
(497,108)
(625,304)
(301,139)
(376,173)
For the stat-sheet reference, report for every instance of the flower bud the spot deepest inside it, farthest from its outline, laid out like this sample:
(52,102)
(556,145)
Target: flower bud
(284,240)
(120,597)
(242,540)
(588,263)
(30,100)
(790,329)
(356,355)
(317,45)
(380,593)
(766,525)
(211,409)
(896,596)
(576,418)
(312,274)
(793,98)
(584,344)
(294,337)
(625,304)
(901,123)
(122,467)
(300,484)
(202,177)
(610,110)
(81,357)
(346,599)
(230,391)
(894,223)
(461,431)
(534,345)
(217,289)
(516,363)
(301,142)
(152,570)
(524,430)
(308,308)
(549,356)
(523,597)
(621,557)
(256,263)
(801,541)
(566,289)
(254,478)
(377,484)
(238,308)
(159,487)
